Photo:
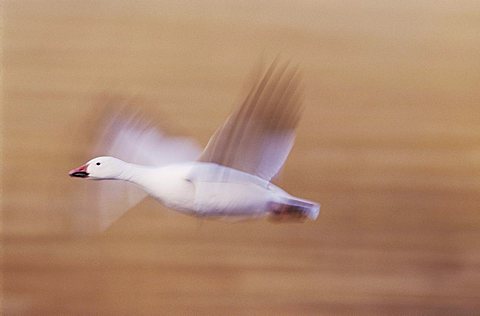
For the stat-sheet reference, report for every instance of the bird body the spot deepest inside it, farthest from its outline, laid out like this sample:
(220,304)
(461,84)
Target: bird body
(231,178)
(201,189)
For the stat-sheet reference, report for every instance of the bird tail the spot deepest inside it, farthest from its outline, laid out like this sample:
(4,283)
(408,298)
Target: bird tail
(293,209)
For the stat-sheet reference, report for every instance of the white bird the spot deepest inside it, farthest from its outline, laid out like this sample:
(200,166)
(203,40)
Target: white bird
(229,179)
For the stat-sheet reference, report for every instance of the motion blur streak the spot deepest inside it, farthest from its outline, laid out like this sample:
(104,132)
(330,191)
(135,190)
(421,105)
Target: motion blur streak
(389,143)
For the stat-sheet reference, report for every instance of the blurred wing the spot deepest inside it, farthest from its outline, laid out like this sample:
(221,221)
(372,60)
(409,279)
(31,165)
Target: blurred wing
(259,135)
(131,138)
(128,136)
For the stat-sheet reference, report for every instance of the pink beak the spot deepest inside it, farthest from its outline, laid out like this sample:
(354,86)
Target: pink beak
(80,172)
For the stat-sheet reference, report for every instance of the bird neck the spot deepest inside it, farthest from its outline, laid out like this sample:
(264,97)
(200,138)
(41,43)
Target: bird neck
(145,176)
(133,172)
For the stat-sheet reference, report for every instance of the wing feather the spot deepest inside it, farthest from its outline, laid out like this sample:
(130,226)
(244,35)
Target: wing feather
(259,135)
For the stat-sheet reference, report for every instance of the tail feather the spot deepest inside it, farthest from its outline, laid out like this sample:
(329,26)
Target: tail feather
(293,208)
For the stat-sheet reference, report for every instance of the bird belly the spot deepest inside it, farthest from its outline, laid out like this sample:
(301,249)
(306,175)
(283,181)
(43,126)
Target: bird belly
(178,195)
(230,199)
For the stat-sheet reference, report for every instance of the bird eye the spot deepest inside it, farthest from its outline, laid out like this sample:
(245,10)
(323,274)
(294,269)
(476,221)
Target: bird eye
(98,163)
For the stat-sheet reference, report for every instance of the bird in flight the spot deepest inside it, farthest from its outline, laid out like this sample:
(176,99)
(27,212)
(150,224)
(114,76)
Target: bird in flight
(230,179)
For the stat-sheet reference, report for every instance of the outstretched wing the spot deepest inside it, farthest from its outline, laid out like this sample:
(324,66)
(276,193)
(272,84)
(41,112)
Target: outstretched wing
(126,134)
(259,135)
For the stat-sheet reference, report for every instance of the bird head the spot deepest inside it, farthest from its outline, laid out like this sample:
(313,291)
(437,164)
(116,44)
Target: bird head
(100,168)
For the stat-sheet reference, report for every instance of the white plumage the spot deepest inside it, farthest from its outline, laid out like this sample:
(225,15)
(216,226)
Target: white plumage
(229,179)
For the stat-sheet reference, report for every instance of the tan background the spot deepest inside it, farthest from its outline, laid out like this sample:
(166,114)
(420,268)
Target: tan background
(389,144)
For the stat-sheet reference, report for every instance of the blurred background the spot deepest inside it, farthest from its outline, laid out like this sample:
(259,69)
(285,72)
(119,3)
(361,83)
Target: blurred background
(389,144)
